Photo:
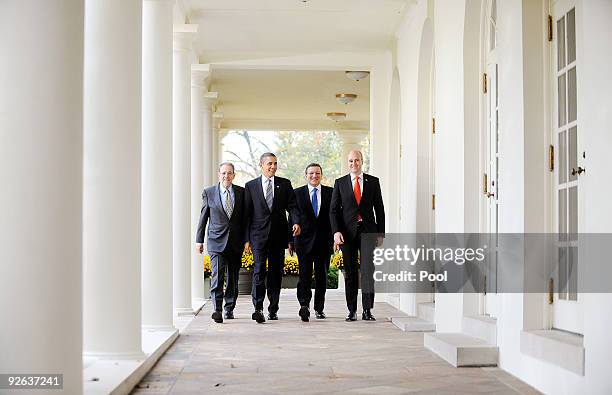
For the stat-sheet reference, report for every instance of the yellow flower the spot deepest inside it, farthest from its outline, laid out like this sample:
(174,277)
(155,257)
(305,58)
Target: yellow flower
(207,267)
(247,261)
(291,267)
(337,261)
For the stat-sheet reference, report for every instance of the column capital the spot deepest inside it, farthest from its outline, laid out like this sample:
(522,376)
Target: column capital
(184,36)
(200,74)
(208,99)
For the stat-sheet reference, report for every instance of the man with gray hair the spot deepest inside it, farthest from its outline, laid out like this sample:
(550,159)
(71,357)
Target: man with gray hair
(223,205)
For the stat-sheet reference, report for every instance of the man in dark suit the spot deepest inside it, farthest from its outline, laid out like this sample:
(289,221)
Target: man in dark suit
(267,199)
(315,242)
(356,209)
(223,204)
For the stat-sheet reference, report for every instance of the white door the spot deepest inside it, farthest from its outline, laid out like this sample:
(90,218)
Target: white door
(489,298)
(566,312)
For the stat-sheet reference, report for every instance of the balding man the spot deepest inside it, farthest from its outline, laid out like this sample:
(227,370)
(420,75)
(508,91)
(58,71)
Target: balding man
(356,209)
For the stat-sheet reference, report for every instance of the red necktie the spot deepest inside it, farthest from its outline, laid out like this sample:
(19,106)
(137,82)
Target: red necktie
(357,192)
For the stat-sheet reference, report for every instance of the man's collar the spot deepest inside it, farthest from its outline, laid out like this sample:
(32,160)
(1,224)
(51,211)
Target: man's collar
(310,187)
(360,175)
(264,178)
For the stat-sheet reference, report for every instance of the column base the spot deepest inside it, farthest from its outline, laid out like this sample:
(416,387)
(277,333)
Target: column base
(159,328)
(120,377)
(183,311)
(115,356)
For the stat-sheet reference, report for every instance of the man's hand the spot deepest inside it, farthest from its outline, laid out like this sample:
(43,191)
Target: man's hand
(199,248)
(291,249)
(296,230)
(338,238)
(336,247)
(379,241)
(247,248)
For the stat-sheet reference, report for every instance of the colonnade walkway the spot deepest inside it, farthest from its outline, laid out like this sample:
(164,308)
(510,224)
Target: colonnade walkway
(316,357)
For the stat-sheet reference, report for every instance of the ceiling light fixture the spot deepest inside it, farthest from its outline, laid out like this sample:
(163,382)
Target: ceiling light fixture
(357,75)
(336,116)
(346,98)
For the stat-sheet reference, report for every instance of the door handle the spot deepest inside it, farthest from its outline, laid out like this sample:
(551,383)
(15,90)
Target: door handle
(489,194)
(578,171)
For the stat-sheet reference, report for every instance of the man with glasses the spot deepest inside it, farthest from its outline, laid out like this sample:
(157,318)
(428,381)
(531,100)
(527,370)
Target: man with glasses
(223,205)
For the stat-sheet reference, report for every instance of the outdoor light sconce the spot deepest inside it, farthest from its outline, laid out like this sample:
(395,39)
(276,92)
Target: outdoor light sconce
(346,98)
(336,116)
(357,75)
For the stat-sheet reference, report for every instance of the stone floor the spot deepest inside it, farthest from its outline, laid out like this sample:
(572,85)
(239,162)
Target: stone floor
(317,357)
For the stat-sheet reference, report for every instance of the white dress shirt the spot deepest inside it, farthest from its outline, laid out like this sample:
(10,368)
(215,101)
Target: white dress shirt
(264,185)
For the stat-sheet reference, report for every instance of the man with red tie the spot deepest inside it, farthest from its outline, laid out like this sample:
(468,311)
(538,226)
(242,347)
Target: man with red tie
(356,209)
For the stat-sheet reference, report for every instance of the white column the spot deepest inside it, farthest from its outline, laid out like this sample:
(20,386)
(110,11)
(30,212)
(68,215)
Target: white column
(221,147)
(200,136)
(351,140)
(181,168)
(156,249)
(112,179)
(41,103)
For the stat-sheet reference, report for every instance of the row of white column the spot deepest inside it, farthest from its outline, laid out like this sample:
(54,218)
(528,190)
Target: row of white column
(103,159)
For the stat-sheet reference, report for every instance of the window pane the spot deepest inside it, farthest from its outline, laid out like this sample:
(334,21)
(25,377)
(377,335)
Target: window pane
(571,95)
(562,272)
(572,273)
(571,36)
(562,159)
(561,43)
(561,100)
(562,214)
(572,153)
(573,213)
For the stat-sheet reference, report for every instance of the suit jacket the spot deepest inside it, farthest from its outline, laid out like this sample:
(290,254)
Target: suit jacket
(344,209)
(263,224)
(316,234)
(221,230)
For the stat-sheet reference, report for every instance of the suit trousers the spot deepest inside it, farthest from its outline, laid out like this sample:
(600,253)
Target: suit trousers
(270,278)
(221,262)
(353,269)
(321,267)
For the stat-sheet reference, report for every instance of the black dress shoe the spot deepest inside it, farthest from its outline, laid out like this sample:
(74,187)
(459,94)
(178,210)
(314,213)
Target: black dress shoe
(272,317)
(229,315)
(352,316)
(216,315)
(367,315)
(320,315)
(304,313)
(258,316)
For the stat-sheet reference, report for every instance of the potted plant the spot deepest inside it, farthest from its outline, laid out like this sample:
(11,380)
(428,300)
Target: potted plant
(207,275)
(245,276)
(291,272)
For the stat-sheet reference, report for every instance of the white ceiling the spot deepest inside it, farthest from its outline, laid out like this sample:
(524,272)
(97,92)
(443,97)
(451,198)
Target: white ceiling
(230,30)
(289,99)
(292,26)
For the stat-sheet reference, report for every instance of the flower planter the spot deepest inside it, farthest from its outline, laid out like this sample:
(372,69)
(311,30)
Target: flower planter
(206,287)
(290,281)
(245,282)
